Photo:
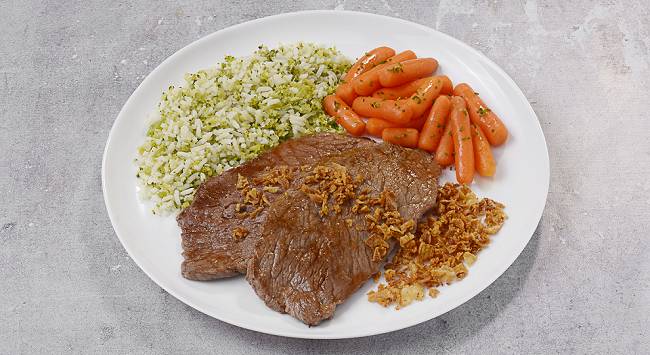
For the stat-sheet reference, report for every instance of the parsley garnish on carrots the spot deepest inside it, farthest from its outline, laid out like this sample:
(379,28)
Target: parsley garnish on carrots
(482,111)
(396,69)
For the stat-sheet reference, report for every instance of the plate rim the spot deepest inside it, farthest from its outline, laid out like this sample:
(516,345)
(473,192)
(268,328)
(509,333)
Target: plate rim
(539,207)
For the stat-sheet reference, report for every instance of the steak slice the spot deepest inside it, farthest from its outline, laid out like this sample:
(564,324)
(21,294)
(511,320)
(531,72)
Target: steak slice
(306,264)
(209,223)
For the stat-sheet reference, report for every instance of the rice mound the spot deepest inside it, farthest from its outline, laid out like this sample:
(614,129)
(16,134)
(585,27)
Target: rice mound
(227,114)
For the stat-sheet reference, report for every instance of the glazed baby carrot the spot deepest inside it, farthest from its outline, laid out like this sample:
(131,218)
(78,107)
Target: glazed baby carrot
(368,82)
(418,122)
(343,115)
(461,135)
(389,110)
(401,91)
(422,99)
(483,159)
(445,151)
(406,71)
(406,90)
(434,126)
(345,90)
(406,137)
(447,86)
(368,61)
(494,129)
(375,126)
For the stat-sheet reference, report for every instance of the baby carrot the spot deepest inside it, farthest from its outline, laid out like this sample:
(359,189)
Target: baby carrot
(406,137)
(434,126)
(460,132)
(399,92)
(343,115)
(375,126)
(494,129)
(368,61)
(445,151)
(406,71)
(345,90)
(447,86)
(422,99)
(368,82)
(483,159)
(389,110)
(418,122)
(406,90)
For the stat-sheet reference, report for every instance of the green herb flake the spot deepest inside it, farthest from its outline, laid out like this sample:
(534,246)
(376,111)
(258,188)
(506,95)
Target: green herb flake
(396,69)
(483,111)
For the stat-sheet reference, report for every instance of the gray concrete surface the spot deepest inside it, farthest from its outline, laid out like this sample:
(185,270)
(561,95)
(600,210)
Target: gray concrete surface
(66,284)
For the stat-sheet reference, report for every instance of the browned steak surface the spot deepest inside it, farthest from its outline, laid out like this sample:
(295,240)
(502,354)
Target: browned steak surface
(305,264)
(208,225)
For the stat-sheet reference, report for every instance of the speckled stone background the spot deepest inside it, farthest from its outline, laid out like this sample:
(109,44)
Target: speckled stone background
(66,284)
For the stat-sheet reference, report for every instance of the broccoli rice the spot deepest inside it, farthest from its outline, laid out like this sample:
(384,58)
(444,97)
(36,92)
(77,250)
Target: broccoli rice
(225,115)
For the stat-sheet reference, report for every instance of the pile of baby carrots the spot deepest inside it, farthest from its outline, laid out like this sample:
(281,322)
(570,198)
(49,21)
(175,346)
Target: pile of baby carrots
(397,98)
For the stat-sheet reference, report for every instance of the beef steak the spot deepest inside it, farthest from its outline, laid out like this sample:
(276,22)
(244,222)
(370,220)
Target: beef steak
(208,224)
(306,263)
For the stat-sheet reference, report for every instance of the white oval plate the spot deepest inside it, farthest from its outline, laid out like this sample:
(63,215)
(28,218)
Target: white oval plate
(153,242)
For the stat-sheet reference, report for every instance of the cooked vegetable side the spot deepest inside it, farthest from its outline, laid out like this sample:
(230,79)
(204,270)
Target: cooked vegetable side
(401,94)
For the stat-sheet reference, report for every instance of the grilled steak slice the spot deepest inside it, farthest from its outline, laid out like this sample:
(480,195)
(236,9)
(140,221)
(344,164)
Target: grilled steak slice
(209,224)
(305,264)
